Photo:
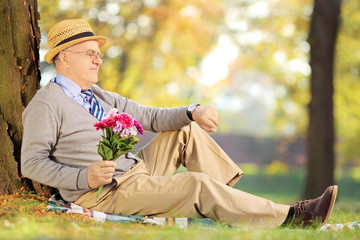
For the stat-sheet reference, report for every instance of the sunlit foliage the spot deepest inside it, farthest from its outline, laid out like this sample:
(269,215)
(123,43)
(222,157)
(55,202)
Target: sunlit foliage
(347,84)
(155,46)
(270,77)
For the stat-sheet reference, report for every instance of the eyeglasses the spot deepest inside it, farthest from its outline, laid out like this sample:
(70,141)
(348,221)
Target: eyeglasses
(90,53)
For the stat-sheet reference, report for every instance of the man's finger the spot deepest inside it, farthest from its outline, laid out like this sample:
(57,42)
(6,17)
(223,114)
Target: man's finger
(107,163)
(211,123)
(106,175)
(109,170)
(208,126)
(214,120)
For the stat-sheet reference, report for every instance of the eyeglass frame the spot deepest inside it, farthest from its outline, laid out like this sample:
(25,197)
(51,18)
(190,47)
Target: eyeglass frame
(94,55)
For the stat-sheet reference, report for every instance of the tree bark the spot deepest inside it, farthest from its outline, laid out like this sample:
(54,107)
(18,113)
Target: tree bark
(322,39)
(20,78)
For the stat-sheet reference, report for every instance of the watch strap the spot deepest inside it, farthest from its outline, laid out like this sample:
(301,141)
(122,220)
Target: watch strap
(191,109)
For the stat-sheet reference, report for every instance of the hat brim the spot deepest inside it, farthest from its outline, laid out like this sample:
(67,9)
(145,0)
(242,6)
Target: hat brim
(52,53)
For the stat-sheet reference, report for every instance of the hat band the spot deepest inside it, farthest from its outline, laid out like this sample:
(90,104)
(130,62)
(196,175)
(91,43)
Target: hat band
(74,37)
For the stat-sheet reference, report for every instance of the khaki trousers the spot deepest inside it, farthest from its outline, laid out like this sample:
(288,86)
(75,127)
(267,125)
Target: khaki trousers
(151,188)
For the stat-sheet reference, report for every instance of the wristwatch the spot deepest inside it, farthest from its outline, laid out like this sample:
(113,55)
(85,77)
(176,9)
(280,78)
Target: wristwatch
(191,109)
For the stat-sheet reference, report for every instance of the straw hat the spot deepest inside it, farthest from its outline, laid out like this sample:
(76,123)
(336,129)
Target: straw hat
(67,33)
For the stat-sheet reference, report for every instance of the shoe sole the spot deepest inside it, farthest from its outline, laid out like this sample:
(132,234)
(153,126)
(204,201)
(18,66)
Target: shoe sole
(332,203)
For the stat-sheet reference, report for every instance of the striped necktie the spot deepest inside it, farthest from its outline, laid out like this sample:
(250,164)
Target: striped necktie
(95,107)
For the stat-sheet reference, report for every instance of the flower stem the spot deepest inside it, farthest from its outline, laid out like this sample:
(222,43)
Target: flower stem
(98,193)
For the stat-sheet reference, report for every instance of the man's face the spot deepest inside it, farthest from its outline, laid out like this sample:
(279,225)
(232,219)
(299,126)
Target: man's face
(82,68)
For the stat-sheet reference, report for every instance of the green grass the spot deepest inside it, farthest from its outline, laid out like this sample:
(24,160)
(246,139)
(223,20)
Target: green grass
(24,216)
(65,227)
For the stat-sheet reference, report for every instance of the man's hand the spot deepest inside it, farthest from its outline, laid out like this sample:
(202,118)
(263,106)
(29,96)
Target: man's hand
(206,117)
(100,173)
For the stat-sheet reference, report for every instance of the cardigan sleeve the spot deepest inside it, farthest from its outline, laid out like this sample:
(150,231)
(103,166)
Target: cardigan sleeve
(153,119)
(41,132)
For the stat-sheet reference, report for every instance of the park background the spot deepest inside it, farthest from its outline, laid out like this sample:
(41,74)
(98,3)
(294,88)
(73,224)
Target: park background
(248,58)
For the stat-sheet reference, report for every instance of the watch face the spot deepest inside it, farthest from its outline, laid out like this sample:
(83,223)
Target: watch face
(192,107)
(190,110)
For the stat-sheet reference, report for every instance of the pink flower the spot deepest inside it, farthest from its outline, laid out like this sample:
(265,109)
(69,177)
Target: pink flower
(133,131)
(138,126)
(105,123)
(118,127)
(125,119)
(111,113)
(109,122)
(99,125)
(125,133)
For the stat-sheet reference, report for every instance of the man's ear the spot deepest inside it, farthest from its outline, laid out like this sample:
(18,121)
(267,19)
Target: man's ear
(63,57)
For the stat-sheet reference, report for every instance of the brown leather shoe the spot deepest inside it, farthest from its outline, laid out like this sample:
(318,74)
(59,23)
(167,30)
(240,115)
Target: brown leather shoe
(315,211)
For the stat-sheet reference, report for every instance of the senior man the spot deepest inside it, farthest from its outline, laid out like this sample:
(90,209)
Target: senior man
(59,149)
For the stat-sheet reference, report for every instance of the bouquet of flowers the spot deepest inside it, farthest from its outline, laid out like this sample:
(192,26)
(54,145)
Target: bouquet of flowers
(118,138)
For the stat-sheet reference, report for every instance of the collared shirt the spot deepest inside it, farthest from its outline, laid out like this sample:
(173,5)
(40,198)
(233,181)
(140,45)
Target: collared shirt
(72,90)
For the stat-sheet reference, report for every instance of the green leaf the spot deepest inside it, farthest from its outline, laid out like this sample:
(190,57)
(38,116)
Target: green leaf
(117,154)
(101,150)
(107,152)
(106,142)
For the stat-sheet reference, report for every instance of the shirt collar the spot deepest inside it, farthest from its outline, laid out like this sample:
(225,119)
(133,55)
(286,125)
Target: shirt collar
(68,84)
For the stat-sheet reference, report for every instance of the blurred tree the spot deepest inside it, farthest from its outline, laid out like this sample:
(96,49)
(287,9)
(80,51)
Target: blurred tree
(155,45)
(19,66)
(322,39)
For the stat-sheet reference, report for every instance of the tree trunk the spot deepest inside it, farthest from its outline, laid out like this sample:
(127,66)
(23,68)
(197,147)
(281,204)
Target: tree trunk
(20,78)
(322,38)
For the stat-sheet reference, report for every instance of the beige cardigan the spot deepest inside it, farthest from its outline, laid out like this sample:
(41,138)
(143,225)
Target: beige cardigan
(60,141)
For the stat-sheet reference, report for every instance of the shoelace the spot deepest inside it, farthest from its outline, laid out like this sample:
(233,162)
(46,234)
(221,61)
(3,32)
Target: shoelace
(300,207)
